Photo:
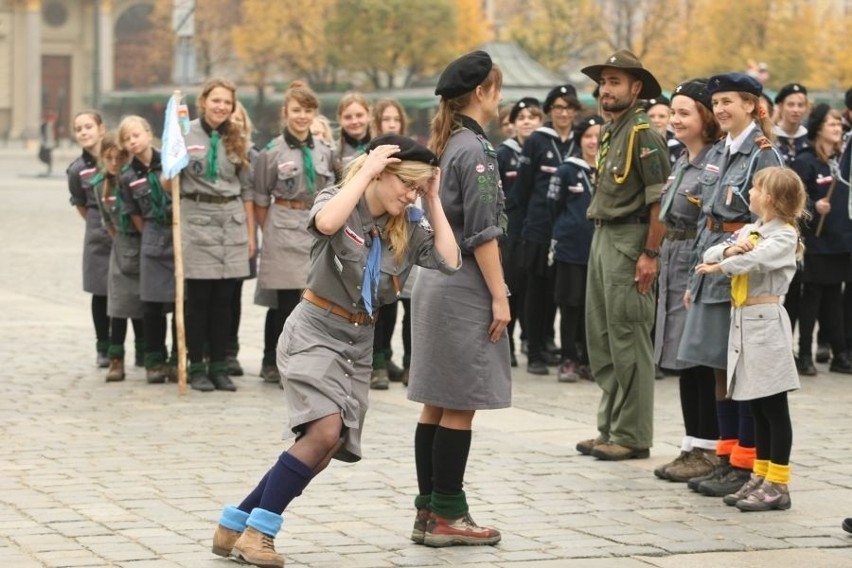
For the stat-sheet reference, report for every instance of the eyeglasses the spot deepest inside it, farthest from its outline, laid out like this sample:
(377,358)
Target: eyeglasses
(411,186)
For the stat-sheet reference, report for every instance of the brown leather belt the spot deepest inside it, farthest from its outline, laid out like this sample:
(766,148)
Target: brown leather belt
(717,226)
(290,203)
(204,198)
(680,234)
(627,220)
(358,318)
(768,299)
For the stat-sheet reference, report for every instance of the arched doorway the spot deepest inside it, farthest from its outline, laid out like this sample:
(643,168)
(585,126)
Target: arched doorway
(142,48)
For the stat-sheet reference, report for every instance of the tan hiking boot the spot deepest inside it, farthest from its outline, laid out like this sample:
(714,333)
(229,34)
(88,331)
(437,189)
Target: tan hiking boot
(254,547)
(698,462)
(617,452)
(661,471)
(586,446)
(223,540)
(116,370)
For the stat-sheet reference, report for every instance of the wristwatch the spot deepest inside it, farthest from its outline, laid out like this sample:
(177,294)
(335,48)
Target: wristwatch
(651,253)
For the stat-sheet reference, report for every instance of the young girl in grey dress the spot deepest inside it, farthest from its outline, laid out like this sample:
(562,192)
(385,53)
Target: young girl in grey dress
(760,259)
(461,359)
(89,129)
(326,349)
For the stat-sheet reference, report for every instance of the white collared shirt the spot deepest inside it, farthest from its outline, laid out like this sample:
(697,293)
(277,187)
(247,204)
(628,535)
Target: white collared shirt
(733,145)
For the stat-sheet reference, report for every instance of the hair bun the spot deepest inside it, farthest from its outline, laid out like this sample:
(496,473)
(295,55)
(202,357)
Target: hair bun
(298,84)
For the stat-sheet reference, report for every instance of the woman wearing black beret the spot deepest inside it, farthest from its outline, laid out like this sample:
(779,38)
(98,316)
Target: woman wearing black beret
(827,263)
(791,137)
(460,362)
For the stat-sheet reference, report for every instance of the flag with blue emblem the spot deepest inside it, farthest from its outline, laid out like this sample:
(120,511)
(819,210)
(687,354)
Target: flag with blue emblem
(174,155)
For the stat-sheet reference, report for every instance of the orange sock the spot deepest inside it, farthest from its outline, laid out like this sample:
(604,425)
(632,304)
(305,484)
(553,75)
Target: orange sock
(743,458)
(724,447)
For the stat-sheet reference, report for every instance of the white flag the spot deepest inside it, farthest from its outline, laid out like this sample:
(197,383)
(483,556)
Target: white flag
(174,154)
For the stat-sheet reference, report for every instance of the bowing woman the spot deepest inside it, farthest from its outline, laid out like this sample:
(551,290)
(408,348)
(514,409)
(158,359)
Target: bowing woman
(217,229)
(326,349)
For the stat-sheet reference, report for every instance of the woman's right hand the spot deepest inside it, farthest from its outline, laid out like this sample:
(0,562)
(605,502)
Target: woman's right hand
(379,158)
(501,315)
(687,299)
(823,206)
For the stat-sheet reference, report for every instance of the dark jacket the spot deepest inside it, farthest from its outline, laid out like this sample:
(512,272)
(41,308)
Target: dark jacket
(836,236)
(570,192)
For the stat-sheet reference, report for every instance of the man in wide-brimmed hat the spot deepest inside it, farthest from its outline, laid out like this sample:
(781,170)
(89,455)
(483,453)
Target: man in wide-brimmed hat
(633,165)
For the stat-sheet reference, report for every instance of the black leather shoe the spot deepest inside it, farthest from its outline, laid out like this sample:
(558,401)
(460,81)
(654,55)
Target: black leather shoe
(513,361)
(805,365)
(222,382)
(841,364)
(537,368)
(201,383)
(823,353)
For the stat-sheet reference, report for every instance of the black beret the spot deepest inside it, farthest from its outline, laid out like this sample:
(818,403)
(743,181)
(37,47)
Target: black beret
(408,149)
(525,102)
(816,119)
(790,89)
(567,92)
(464,74)
(849,99)
(695,89)
(584,125)
(738,82)
(661,100)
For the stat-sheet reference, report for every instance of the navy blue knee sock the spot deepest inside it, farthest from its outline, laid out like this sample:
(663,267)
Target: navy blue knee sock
(727,415)
(281,484)
(746,424)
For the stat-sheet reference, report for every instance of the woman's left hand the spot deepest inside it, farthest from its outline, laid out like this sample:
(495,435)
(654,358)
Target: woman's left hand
(252,244)
(433,185)
(379,157)
(708,268)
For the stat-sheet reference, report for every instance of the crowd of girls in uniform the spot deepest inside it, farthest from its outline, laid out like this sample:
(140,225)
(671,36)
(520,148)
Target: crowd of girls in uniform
(341,231)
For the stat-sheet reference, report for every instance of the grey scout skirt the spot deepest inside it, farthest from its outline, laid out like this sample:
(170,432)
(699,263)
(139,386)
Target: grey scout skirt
(123,282)
(97,245)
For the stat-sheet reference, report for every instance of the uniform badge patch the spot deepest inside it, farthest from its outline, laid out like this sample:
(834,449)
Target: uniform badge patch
(196,148)
(646,151)
(353,235)
(424,223)
(480,168)
(712,168)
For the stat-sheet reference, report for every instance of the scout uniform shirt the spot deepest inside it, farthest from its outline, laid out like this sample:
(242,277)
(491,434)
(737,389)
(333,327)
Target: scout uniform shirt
(571,189)
(350,148)
(725,182)
(508,163)
(791,146)
(281,183)
(633,164)
(338,261)
(543,152)
(96,241)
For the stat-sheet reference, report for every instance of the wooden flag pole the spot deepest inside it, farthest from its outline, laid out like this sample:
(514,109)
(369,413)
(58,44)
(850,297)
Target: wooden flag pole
(179,281)
(828,194)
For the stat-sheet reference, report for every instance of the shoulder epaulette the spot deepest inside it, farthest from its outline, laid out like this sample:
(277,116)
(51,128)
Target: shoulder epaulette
(763,142)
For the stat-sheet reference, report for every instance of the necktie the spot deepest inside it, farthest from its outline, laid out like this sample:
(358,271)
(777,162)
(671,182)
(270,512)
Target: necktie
(370,285)
(670,194)
(212,173)
(310,174)
(603,150)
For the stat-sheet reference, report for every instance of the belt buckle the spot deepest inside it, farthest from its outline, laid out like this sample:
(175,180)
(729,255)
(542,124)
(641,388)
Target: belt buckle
(598,223)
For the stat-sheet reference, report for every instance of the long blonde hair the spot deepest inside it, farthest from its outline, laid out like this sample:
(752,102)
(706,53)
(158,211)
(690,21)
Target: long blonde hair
(447,119)
(397,226)
(787,196)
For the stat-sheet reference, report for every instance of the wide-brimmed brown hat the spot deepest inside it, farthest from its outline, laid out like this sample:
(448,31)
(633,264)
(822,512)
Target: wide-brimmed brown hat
(625,60)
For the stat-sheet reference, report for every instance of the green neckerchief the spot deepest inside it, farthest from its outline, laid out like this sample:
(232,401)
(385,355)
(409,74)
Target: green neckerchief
(159,203)
(212,173)
(310,174)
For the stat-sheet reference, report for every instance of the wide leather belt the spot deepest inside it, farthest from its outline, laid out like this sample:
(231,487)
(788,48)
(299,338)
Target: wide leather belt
(628,220)
(717,226)
(290,203)
(680,234)
(204,198)
(357,318)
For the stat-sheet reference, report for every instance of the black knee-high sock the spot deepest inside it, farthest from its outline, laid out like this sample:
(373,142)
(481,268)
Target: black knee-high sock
(762,436)
(424,440)
(449,459)
(269,337)
(726,413)
(745,435)
(101,320)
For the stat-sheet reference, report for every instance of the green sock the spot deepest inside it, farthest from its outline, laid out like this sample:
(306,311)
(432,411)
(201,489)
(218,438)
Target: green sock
(115,352)
(197,369)
(422,501)
(154,359)
(218,367)
(449,506)
(102,346)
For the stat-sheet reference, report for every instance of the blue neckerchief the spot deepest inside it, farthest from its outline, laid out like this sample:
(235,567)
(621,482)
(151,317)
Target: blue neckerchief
(370,286)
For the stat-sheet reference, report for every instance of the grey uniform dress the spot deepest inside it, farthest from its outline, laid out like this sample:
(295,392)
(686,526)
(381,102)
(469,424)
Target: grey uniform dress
(214,227)
(725,182)
(97,243)
(280,183)
(123,299)
(681,206)
(454,363)
(325,361)
(143,196)
(760,352)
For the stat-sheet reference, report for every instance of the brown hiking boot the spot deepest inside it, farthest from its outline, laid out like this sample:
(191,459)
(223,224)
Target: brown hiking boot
(116,370)
(223,540)
(661,470)
(617,452)
(254,547)
(698,462)
(441,531)
(418,533)
(586,446)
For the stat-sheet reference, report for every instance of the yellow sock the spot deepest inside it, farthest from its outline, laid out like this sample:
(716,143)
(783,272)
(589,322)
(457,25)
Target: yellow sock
(778,473)
(761,467)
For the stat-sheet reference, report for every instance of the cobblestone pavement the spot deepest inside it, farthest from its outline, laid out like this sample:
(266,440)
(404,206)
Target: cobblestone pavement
(129,474)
